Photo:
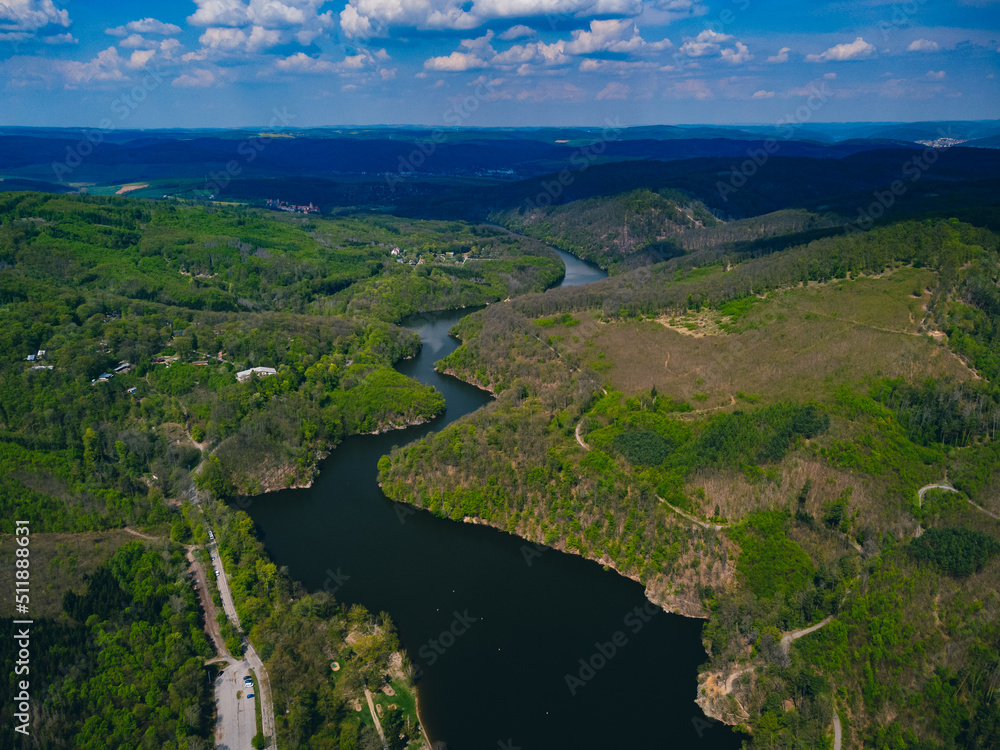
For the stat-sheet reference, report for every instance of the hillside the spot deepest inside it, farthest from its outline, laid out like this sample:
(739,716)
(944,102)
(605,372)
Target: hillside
(747,439)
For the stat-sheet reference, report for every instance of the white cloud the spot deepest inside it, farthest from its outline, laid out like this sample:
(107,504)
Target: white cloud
(829,76)
(66,38)
(859,49)
(302,63)
(237,40)
(932,76)
(365,18)
(781,57)
(762,94)
(145,26)
(139,58)
(196,78)
(30,15)
(737,56)
(614,90)
(923,45)
(517,32)
(456,61)
(137,41)
(107,66)
(612,36)
(707,42)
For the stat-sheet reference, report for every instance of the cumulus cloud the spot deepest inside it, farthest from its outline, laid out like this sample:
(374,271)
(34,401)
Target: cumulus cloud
(107,66)
(923,45)
(274,14)
(859,49)
(738,55)
(221,39)
(619,36)
(762,94)
(517,32)
(302,63)
(30,15)
(195,78)
(935,76)
(145,26)
(707,42)
(781,57)
(614,90)
(365,18)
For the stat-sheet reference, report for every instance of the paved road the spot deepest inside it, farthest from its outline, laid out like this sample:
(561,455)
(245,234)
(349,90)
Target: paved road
(250,656)
(237,714)
(923,490)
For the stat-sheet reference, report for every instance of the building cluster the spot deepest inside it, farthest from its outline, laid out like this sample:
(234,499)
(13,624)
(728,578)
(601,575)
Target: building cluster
(279,205)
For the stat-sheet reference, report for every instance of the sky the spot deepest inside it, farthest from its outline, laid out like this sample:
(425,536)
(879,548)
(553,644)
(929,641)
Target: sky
(488,63)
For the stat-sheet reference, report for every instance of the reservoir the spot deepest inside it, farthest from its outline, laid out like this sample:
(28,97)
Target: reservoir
(526,616)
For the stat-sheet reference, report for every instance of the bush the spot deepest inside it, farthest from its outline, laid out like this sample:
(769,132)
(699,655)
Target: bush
(960,552)
(642,447)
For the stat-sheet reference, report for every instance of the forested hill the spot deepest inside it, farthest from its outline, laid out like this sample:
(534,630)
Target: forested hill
(754,431)
(127,329)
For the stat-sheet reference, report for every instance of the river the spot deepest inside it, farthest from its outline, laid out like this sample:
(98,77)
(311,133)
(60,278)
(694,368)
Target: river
(525,617)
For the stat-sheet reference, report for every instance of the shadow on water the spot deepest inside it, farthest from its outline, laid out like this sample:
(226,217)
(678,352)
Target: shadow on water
(526,617)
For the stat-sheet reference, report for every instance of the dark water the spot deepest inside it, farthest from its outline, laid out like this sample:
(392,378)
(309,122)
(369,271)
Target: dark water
(494,624)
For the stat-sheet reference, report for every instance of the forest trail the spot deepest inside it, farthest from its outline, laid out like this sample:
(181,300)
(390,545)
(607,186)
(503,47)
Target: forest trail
(378,724)
(787,638)
(693,519)
(580,439)
(838,732)
(949,488)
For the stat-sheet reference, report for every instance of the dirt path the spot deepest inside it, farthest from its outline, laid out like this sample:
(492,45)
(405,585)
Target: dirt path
(949,488)
(693,519)
(580,439)
(378,724)
(838,732)
(208,606)
(787,638)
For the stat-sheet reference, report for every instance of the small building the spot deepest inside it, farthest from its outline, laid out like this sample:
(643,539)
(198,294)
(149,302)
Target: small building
(105,377)
(131,390)
(200,363)
(395,251)
(260,372)
(123,367)
(41,354)
(30,358)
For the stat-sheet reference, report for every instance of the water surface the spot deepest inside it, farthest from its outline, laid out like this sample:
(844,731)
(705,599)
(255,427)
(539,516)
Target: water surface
(494,624)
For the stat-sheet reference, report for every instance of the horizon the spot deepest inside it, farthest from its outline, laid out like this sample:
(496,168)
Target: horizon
(439,63)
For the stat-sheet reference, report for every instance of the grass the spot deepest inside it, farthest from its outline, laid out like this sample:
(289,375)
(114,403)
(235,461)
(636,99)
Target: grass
(256,702)
(59,563)
(816,337)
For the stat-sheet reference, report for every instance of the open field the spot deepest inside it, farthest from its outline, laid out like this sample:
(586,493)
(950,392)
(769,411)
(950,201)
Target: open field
(59,563)
(798,343)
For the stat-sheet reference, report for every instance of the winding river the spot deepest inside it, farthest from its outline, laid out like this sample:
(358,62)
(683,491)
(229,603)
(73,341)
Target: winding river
(497,627)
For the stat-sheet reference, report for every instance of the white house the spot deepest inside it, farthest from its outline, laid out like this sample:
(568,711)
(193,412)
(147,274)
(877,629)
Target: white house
(260,372)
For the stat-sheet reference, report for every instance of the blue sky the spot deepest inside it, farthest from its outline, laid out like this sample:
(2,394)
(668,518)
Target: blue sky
(227,63)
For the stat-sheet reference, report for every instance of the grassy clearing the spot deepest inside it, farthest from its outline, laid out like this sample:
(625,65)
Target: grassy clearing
(816,337)
(59,563)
